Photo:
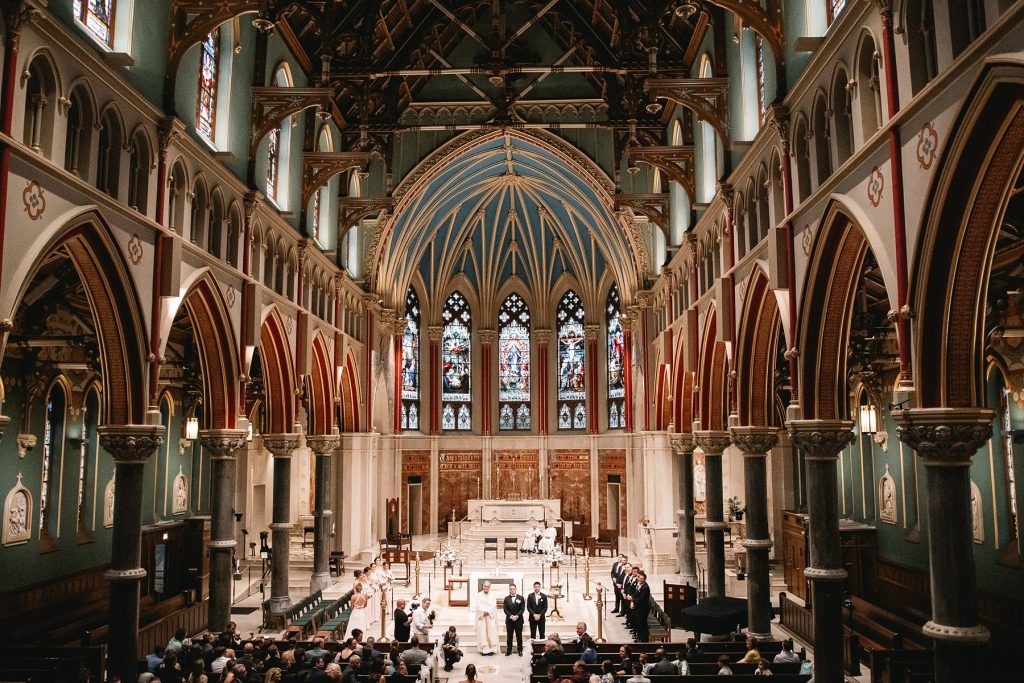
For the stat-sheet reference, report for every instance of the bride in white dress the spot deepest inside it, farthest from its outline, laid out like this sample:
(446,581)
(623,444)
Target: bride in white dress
(360,618)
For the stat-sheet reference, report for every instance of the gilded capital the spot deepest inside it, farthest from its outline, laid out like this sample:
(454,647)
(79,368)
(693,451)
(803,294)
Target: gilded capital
(821,439)
(754,440)
(487,336)
(681,443)
(131,444)
(323,444)
(712,442)
(944,436)
(435,332)
(281,445)
(543,335)
(224,444)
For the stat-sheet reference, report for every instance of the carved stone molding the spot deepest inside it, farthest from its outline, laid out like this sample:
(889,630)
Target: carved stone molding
(323,444)
(675,160)
(944,436)
(712,442)
(4,421)
(681,443)
(435,332)
(705,97)
(543,335)
(821,439)
(273,104)
(319,167)
(131,444)
(754,441)
(653,206)
(487,336)
(223,443)
(281,445)
(592,332)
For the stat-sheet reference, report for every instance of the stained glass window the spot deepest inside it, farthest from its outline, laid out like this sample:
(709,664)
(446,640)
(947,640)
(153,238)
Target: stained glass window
(762,88)
(616,362)
(411,363)
(273,161)
(572,394)
(835,8)
(44,490)
(98,17)
(206,108)
(514,364)
(456,363)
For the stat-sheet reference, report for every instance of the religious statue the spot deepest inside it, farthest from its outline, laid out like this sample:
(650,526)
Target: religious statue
(180,493)
(977,520)
(887,498)
(17,515)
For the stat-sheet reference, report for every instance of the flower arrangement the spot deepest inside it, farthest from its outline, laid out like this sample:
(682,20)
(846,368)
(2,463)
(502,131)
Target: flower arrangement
(554,556)
(735,508)
(447,553)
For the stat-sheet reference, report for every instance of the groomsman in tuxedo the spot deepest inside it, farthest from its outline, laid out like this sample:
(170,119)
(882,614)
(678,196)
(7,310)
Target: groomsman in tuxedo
(618,574)
(628,589)
(537,608)
(640,607)
(514,606)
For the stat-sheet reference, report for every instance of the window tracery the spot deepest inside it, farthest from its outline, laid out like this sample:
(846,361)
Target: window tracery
(570,318)
(456,364)
(206,106)
(98,17)
(616,362)
(410,418)
(514,364)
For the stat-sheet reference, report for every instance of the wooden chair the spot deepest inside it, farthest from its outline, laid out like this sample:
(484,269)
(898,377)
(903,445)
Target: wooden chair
(606,540)
(510,544)
(491,544)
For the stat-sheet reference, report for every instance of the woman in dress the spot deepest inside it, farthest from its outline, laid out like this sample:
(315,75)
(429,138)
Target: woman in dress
(360,618)
(471,675)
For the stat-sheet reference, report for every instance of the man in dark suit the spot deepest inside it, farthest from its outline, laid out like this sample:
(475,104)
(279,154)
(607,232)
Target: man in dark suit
(401,623)
(537,607)
(514,606)
(618,573)
(641,606)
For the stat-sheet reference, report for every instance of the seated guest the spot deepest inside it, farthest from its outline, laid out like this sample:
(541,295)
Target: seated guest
(681,665)
(607,671)
(317,650)
(197,672)
(663,667)
(351,672)
(274,675)
(170,670)
(753,655)
(414,656)
(589,656)
(762,668)
(348,649)
(723,666)
(557,640)
(625,664)
(549,657)
(579,674)
(693,650)
(154,659)
(175,643)
(645,666)
(787,656)
(552,674)
(638,676)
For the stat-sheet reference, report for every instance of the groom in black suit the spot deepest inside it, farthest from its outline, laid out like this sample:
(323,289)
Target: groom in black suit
(537,607)
(514,606)
(618,574)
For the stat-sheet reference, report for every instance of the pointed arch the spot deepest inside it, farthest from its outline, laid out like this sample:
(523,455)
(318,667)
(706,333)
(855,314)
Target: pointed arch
(350,401)
(760,327)
(321,407)
(712,376)
(278,374)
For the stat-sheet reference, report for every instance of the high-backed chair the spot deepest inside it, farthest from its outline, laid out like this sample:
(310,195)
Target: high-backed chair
(510,544)
(491,544)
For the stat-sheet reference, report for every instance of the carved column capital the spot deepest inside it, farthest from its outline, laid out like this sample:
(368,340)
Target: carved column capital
(543,335)
(435,332)
(281,445)
(681,443)
(131,444)
(712,442)
(487,336)
(223,443)
(821,439)
(591,332)
(323,444)
(944,436)
(754,441)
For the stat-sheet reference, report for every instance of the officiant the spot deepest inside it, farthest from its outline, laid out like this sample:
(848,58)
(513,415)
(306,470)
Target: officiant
(486,625)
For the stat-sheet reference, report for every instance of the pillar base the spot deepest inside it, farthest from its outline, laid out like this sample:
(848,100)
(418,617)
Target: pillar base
(280,605)
(968,635)
(319,582)
(759,636)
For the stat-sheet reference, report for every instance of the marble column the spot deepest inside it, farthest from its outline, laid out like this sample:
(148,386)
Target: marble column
(682,445)
(714,443)
(754,443)
(281,447)
(130,446)
(324,447)
(946,439)
(821,442)
(223,445)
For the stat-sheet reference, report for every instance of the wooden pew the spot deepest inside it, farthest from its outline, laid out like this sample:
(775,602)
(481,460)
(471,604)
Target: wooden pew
(736,678)
(57,664)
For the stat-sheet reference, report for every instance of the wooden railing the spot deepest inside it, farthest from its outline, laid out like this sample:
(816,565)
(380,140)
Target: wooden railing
(797,618)
(192,618)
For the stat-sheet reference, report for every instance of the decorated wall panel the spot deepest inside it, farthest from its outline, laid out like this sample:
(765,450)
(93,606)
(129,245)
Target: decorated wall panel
(516,475)
(611,470)
(569,481)
(459,478)
(416,468)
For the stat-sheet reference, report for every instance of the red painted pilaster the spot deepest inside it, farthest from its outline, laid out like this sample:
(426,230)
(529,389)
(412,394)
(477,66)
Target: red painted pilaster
(593,404)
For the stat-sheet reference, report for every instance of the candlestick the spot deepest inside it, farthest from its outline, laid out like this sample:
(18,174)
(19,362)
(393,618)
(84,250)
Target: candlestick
(586,575)
(416,596)
(600,616)
(383,615)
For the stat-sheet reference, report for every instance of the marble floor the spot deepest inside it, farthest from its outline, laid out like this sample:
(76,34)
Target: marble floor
(498,668)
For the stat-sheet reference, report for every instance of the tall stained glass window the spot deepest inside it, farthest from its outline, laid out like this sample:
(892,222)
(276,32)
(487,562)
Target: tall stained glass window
(273,161)
(456,364)
(514,364)
(206,107)
(572,394)
(410,418)
(98,17)
(616,362)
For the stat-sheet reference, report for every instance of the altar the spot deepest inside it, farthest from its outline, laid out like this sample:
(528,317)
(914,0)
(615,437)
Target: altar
(517,511)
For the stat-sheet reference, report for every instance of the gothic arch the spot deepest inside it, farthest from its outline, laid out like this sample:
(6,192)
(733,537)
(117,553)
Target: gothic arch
(961,224)
(712,376)
(89,244)
(321,404)
(350,401)
(837,257)
(278,375)
(760,327)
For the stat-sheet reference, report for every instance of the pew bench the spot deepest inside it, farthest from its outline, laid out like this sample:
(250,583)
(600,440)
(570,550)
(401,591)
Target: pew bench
(57,664)
(736,678)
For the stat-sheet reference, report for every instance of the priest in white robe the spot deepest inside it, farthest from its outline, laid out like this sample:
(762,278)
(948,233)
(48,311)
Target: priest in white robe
(547,541)
(486,624)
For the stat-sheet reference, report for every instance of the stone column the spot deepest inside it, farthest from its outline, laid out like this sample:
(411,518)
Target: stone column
(540,393)
(713,443)
(821,442)
(754,443)
(682,445)
(224,445)
(130,446)
(324,447)
(487,337)
(281,447)
(946,438)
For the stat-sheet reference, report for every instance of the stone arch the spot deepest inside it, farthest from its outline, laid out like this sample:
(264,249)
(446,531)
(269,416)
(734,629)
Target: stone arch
(712,376)
(954,257)
(217,350)
(760,327)
(278,374)
(350,401)
(321,407)
(91,247)
(837,258)
(42,88)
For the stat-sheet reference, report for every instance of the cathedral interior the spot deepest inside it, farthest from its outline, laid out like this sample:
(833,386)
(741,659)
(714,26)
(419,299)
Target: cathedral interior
(734,287)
